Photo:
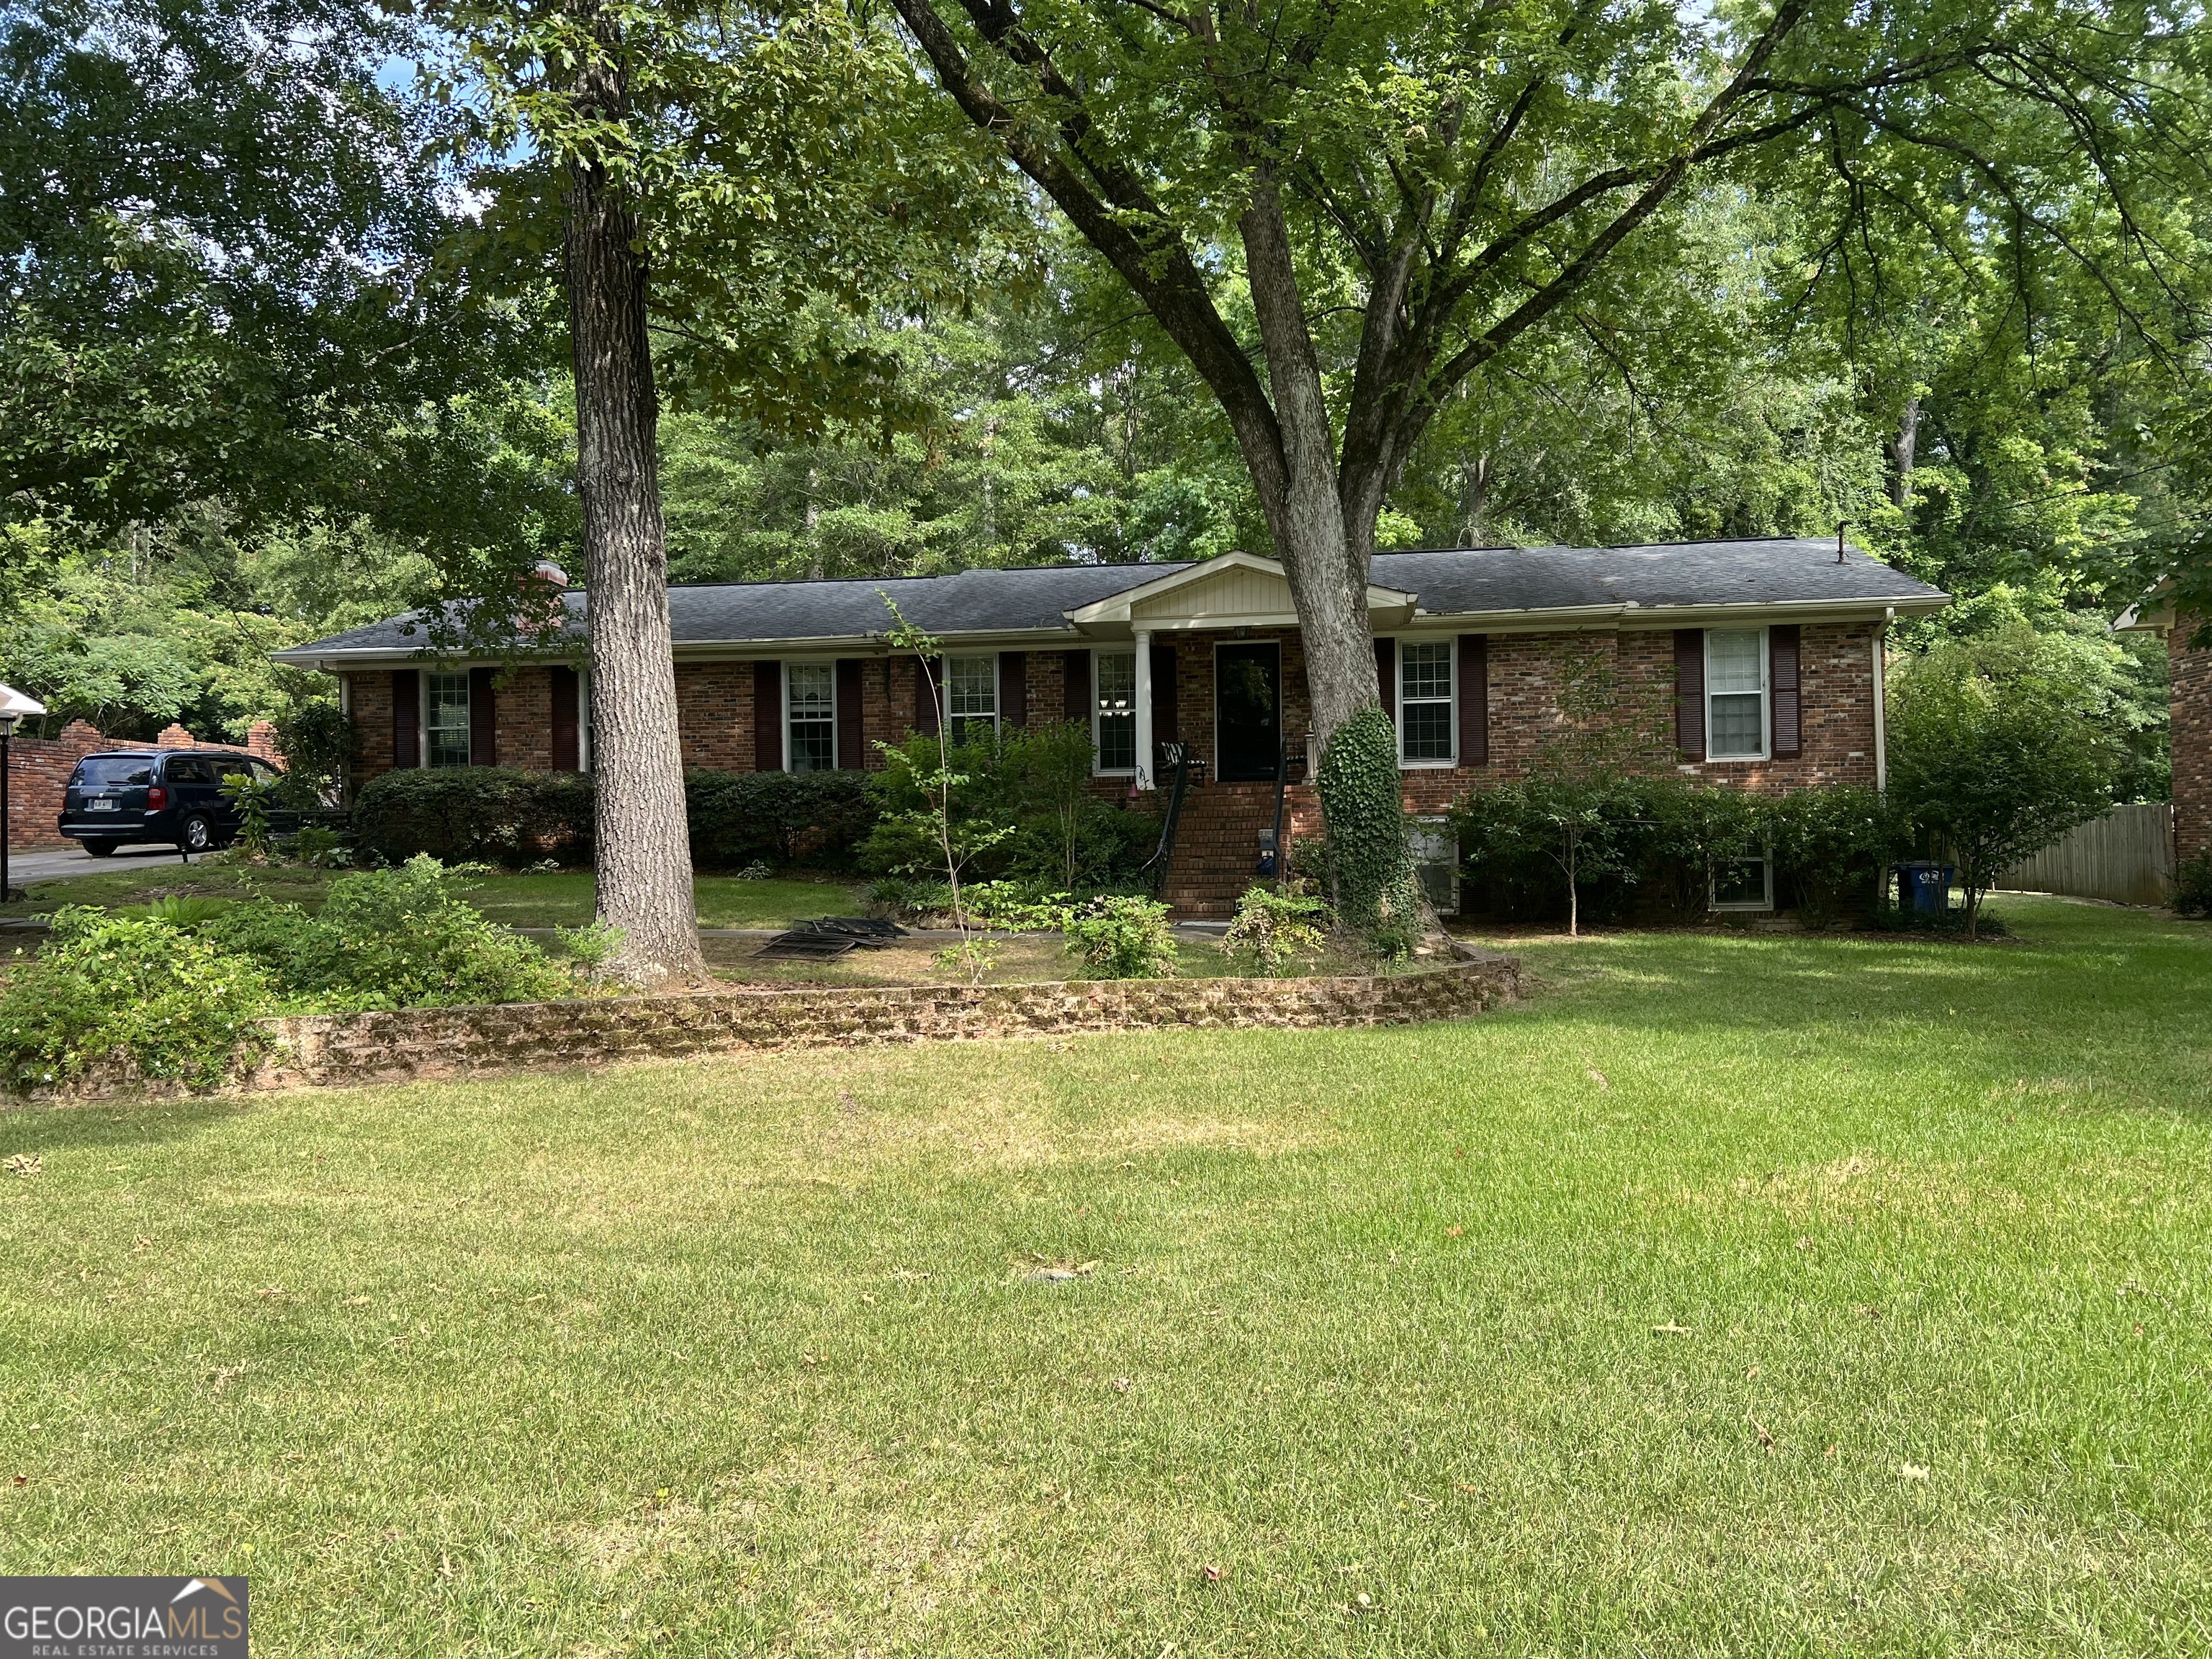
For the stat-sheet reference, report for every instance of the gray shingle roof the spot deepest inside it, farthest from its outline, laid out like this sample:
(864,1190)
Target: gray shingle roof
(1457,581)
(1782,570)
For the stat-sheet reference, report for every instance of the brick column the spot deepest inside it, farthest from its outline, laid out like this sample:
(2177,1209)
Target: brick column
(2192,739)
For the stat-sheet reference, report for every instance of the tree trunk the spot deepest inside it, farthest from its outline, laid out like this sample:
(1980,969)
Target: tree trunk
(1324,554)
(1900,454)
(644,858)
(1475,500)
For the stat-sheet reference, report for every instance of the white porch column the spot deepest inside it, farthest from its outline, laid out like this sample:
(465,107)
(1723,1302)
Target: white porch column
(1144,711)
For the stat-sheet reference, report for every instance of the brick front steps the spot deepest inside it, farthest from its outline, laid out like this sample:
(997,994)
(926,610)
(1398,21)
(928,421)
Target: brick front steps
(1217,851)
(411,1044)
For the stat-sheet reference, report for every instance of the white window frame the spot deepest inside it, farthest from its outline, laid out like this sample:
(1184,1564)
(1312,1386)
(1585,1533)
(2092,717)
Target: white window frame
(1765,901)
(953,718)
(1765,700)
(791,749)
(423,676)
(1451,669)
(1097,768)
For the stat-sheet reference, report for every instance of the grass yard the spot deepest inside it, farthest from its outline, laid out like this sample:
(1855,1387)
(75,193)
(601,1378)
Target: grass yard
(1756,1293)
(561,899)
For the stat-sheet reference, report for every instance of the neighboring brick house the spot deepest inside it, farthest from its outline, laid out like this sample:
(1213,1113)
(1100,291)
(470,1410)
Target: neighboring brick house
(1755,664)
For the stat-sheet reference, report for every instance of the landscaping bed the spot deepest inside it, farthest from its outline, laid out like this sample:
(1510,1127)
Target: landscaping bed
(562,898)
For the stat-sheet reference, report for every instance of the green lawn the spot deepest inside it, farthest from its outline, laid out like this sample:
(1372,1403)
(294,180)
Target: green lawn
(1736,1294)
(556,900)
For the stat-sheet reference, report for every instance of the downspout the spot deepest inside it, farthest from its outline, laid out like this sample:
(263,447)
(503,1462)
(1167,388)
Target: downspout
(1882,700)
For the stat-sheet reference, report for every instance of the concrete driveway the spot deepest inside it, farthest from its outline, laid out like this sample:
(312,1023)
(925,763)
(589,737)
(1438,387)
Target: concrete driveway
(49,863)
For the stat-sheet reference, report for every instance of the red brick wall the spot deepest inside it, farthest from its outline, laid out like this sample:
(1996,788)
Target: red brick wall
(2192,740)
(715,714)
(1621,683)
(522,718)
(1622,686)
(368,698)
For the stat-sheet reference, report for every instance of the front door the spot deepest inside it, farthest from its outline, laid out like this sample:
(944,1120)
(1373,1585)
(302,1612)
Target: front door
(1248,711)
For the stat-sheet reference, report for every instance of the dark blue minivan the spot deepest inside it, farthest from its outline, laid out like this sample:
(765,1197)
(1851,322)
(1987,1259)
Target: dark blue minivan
(173,797)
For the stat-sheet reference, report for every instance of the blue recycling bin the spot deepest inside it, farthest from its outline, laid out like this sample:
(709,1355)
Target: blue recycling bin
(1925,885)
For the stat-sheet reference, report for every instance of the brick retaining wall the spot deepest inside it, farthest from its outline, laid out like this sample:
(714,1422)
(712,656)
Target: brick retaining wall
(414,1043)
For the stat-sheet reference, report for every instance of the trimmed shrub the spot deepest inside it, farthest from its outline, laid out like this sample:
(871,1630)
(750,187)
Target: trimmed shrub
(813,818)
(142,988)
(1831,847)
(2192,885)
(475,814)
(1652,846)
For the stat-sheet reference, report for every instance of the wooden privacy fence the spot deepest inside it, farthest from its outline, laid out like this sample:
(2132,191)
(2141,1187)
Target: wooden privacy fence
(2126,856)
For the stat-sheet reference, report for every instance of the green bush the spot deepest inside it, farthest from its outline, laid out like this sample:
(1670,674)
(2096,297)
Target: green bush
(1652,845)
(812,819)
(1998,746)
(398,938)
(111,985)
(174,986)
(475,814)
(1369,850)
(1273,929)
(319,743)
(1034,782)
(1541,847)
(909,898)
(1119,936)
(1831,848)
(2192,885)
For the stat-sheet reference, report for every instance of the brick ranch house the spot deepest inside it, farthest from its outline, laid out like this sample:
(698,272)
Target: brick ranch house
(1755,664)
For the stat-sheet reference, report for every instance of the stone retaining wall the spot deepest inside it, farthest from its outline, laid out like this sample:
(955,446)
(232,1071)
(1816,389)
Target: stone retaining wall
(438,1043)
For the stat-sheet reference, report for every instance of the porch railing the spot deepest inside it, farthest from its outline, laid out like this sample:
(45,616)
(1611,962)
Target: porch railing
(1272,862)
(1175,757)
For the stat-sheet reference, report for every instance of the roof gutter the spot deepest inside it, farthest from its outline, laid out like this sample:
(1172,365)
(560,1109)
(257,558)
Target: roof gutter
(1553,618)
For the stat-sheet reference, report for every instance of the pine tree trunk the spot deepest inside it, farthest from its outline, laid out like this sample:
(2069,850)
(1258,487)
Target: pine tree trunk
(644,858)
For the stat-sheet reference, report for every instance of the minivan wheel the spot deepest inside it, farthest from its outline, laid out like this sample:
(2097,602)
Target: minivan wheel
(100,849)
(196,834)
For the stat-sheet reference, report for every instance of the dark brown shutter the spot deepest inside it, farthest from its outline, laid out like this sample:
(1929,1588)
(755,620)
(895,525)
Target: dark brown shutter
(1167,725)
(1782,679)
(767,717)
(1013,688)
(928,695)
(406,718)
(568,750)
(484,724)
(1474,700)
(1075,675)
(852,729)
(1386,675)
(1689,692)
